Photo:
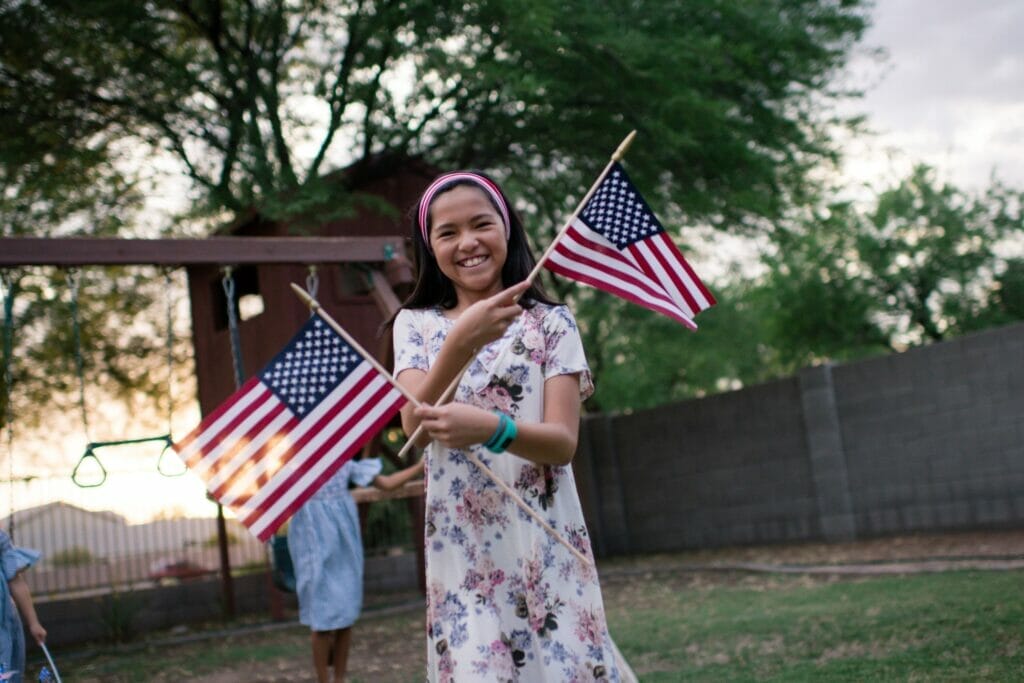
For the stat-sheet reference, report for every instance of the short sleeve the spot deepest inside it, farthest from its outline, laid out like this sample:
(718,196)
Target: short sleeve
(563,349)
(14,559)
(409,342)
(364,471)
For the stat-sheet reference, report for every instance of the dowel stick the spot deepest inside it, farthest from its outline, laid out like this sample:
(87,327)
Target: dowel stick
(441,400)
(315,306)
(617,156)
(526,508)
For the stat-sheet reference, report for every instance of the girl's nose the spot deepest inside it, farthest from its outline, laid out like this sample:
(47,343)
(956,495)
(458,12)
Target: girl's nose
(467,240)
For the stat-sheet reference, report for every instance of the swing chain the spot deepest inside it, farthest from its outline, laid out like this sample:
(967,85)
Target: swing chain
(168,443)
(228,282)
(9,286)
(169,321)
(73,286)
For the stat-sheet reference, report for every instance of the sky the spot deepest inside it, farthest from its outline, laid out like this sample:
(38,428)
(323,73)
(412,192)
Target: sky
(951,92)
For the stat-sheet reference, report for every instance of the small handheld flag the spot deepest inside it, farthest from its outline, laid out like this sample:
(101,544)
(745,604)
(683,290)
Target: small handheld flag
(617,244)
(275,441)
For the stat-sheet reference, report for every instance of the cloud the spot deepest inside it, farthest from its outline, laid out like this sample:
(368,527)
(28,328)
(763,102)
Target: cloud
(950,94)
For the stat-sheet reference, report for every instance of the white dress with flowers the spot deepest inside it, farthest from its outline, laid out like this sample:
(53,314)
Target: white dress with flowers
(505,600)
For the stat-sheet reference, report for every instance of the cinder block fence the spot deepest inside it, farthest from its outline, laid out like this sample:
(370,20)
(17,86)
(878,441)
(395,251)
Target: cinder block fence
(927,440)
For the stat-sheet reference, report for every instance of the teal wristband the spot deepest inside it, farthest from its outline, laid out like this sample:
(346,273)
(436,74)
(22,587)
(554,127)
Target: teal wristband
(503,435)
(498,431)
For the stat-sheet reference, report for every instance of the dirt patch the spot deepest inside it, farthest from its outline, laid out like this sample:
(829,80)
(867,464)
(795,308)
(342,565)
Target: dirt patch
(982,545)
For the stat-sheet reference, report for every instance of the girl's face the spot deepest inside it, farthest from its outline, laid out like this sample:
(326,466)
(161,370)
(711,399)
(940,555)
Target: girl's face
(468,240)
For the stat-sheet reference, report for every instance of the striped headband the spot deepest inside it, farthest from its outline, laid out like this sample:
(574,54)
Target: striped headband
(483,183)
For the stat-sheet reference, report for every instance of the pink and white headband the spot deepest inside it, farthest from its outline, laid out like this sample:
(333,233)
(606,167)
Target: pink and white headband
(447,179)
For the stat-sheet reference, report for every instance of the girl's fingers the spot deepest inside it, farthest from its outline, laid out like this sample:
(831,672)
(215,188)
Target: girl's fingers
(509,295)
(518,288)
(426,413)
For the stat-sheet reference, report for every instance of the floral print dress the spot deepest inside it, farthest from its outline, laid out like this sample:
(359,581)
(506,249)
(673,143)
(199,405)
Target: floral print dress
(505,600)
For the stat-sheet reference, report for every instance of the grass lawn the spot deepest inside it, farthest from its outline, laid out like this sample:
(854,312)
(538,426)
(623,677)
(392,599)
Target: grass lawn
(953,626)
(683,626)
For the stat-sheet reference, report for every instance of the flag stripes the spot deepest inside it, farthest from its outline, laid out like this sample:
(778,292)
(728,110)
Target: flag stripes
(275,441)
(581,254)
(617,244)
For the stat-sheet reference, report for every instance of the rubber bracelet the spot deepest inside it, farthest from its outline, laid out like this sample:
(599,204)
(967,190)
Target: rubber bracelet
(508,437)
(499,430)
(507,427)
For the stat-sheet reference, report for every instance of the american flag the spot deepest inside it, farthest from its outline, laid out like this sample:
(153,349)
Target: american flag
(617,244)
(276,440)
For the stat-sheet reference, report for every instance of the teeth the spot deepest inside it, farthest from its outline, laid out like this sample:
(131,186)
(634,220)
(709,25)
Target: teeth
(470,262)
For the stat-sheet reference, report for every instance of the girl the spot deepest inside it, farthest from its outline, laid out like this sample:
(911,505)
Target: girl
(327,554)
(14,591)
(505,601)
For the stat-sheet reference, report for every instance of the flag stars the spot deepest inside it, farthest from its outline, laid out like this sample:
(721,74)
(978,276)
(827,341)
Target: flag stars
(311,367)
(617,212)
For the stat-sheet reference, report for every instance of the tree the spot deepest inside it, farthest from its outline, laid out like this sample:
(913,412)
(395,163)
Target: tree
(932,255)
(260,100)
(927,262)
(257,100)
(923,262)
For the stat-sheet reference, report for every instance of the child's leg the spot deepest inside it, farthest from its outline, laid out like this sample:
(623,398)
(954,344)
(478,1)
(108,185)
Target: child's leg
(342,641)
(323,641)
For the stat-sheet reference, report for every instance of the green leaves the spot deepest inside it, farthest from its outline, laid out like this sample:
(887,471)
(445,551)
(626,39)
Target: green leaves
(255,99)
(923,262)
(260,102)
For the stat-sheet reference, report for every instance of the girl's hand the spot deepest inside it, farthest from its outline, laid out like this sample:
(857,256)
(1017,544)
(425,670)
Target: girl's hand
(487,320)
(457,425)
(38,632)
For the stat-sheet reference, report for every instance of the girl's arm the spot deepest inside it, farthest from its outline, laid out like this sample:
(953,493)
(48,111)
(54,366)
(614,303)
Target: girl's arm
(551,442)
(478,325)
(23,599)
(390,482)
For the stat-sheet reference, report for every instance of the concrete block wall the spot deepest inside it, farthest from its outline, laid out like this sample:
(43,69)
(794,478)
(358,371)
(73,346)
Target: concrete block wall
(927,440)
(728,469)
(934,437)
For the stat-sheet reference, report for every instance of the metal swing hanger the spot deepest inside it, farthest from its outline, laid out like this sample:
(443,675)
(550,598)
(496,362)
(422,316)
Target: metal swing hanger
(93,446)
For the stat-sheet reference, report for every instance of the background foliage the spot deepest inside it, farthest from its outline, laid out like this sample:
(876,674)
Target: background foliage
(257,102)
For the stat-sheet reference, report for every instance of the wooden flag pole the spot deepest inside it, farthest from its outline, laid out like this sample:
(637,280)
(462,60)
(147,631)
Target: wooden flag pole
(620,152)
(315,306)
(617,156)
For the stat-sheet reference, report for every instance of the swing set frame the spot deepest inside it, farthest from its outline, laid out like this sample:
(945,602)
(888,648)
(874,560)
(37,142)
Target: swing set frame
(233,251)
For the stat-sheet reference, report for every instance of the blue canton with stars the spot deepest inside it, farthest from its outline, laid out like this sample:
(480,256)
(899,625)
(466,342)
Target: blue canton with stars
(618,212)
(315,361)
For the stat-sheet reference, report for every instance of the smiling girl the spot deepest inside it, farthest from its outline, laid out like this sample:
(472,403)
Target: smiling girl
(505,601)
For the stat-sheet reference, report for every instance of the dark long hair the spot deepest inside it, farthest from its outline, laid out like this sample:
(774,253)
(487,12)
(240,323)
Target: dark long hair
(433,288)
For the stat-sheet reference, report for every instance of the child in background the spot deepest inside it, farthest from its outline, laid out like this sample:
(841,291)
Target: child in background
(16,597)
(327,553)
